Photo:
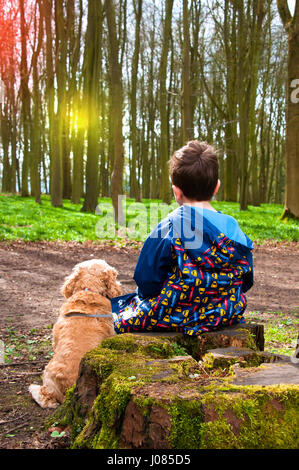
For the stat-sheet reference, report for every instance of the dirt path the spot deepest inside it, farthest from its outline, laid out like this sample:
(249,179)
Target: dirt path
(31,275)
(30,278)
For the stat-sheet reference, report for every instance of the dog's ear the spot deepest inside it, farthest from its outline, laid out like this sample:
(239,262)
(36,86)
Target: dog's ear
(113,286)
(69,284)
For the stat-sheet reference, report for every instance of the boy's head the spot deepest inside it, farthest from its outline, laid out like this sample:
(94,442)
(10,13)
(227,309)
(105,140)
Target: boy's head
(194,170)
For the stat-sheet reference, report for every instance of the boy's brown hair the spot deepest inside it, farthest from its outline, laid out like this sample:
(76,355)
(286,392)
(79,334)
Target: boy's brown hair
(194,169)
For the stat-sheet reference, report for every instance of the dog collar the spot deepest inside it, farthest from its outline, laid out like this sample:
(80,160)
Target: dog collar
(89,315)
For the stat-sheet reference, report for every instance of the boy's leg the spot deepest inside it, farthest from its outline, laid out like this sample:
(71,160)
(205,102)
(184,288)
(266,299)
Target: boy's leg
(130,321)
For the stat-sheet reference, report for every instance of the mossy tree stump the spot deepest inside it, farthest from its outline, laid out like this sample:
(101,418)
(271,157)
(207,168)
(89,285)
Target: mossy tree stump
(147,391)
(249,335)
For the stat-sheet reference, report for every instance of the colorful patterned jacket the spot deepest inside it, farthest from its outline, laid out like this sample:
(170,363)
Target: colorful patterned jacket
(191,275)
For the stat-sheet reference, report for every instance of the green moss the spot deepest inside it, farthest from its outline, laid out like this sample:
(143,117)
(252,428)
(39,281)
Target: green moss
(214,415)
(253,418)
(148,346)
(242,417)
(118,372)
(190,344)
(145,404)
(103,426)
(196,346)
(255,359)
(120,343)
(218,435)
(69,413)
(186,424)
(144,368)
(249,338)
(179,350)
(156,349)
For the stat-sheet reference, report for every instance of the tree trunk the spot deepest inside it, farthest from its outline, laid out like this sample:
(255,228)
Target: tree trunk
(104,176)
(13,126)
(91,86)
(195,76)
(249,25)
(36,121)
(59,121)
(77,183)
(187,125)
(25,97)
(78,127)
(6,170)
(230,131)
(116,91)
(54,148)
(231,164)
(262,179)
(13,140)
(135,190)
(291,24)
(165,193)
(152,114)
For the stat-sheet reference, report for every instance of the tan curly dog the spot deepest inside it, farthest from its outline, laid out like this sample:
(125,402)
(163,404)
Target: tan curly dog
(84,321)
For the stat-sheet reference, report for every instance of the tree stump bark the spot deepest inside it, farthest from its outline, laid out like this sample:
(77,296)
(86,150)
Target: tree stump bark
(142,391)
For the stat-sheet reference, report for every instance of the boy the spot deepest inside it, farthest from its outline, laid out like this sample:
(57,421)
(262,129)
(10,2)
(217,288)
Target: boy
(196,265)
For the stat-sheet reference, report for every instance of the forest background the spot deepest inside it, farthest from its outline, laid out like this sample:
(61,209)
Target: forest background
(96,95)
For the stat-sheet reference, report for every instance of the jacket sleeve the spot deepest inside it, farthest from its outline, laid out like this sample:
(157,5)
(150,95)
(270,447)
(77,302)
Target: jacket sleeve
(248,277)
(154,262)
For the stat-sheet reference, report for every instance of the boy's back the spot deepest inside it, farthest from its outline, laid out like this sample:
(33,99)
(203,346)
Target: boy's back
(191,274)
(196,265)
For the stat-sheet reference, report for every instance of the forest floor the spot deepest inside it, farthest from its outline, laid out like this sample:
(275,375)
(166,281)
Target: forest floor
(31,274)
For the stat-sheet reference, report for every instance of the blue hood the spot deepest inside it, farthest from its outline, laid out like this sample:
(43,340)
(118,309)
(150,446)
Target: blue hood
(198,229)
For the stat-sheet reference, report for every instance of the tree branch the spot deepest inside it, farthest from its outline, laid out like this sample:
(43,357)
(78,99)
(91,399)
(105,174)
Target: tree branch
(208,91)
(284,12)
(296,14)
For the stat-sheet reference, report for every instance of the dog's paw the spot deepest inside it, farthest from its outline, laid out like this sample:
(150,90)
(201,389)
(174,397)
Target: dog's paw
(40,399)
(34,391)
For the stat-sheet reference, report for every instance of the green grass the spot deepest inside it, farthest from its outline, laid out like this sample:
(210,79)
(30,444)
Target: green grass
(262,223)
(281,330)
(22,218)
(27,345)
